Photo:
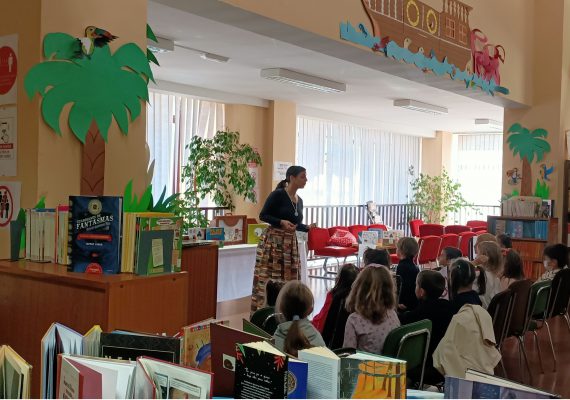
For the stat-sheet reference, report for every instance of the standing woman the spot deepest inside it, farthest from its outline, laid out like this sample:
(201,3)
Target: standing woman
(277,253)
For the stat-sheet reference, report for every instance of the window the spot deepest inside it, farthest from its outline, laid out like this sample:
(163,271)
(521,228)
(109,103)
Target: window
(349,165)
(172,120)
(463,34)
(450,27)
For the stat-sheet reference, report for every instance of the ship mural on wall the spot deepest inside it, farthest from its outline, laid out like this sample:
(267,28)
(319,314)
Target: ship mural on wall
(435,41)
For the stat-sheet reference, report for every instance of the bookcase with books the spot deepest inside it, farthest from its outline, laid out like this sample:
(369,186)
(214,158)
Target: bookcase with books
(529,236)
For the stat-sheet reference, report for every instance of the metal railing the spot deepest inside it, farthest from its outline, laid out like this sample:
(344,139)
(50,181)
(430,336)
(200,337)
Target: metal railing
(476,212)
(211,212)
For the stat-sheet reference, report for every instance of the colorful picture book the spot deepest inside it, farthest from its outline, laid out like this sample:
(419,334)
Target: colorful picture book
(197,344)
(359,375)
(95,229)
(15,375)
(215,234)
(297,375)
(255,232)
(261,371)
(250,327)
(479,385)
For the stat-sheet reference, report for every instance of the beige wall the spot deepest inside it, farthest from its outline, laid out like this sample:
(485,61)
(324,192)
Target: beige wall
(49,164)
(284,132)
(506,22)
(436,153)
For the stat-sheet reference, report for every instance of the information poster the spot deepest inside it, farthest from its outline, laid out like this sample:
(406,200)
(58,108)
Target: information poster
(280,170)
(9,203)
(8,141)
(8,69)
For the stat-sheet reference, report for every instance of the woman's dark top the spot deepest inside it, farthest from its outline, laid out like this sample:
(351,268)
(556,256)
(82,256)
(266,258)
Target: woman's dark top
(333,330)
(470,297)
(278,206)
(408,271)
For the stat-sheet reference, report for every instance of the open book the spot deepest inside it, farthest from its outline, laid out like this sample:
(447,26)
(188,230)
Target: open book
(81,377)
(359,375)
(127,345)
(163,380)
(479,385)
(14,375)
(197,344)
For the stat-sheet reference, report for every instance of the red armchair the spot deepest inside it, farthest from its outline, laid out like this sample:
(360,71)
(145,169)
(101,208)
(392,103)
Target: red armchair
(429,247)
(415,227)
(318,238)
(431,230)
(457,229)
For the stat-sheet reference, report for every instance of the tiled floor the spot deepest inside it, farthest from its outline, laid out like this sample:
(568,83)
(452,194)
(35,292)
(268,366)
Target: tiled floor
(553,381)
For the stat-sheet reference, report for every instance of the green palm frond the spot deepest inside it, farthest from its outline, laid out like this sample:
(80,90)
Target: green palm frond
(101,87)
(528,144)
(61,46)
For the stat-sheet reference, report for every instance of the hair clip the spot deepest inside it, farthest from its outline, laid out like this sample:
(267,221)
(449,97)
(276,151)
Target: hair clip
(296,318)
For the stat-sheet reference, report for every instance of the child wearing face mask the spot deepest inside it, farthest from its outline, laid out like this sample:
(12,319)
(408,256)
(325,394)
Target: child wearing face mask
(555,258)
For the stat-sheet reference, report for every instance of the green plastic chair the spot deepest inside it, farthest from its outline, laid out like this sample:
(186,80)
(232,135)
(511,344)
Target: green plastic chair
(258,317)
(410,343)
(537,311)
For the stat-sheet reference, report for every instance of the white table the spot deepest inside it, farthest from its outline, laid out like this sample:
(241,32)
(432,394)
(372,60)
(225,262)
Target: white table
(235,271)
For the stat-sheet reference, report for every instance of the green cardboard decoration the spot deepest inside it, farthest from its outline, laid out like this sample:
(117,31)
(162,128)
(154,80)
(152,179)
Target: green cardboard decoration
(132,204)
(528,145)
(151,36)
(101,87)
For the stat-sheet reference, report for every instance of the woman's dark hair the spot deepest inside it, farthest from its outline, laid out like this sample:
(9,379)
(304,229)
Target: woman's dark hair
(272,289)
(513,268)
(293,170)
(451,253)
(372,294)
(505,241)
(463,274)
(558,252)
(345,278)
(375,256)
(295,302)
(432,282)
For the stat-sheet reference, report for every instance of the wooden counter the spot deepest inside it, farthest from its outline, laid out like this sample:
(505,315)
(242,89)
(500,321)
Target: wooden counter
(33,295)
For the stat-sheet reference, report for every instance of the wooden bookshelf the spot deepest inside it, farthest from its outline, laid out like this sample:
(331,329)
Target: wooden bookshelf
(33,295)
(530,249)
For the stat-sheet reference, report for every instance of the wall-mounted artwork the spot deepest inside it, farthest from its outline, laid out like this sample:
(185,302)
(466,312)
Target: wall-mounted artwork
(529,145)
(513,176)
(435,41)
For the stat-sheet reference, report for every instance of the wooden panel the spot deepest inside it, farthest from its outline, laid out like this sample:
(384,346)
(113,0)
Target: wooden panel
(201,263)
(156,305)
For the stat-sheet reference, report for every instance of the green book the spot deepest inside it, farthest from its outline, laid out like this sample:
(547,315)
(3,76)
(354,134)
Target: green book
(173,224)
(154,252)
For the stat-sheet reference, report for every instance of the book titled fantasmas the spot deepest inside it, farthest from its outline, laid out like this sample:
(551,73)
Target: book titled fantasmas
(95,233)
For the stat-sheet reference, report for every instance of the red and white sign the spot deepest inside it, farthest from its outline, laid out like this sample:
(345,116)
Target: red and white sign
(8,69)
(8,141)
(9,203)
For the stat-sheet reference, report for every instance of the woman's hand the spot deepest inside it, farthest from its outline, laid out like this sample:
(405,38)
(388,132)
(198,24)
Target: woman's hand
(313,225)
(287,225)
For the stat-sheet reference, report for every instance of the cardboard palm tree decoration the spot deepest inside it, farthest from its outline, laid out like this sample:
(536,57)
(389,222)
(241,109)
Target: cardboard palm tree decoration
(528,145)
(100,85)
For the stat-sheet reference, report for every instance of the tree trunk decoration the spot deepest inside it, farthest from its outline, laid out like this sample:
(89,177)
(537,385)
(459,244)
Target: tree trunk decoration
(526,180)
(93,163)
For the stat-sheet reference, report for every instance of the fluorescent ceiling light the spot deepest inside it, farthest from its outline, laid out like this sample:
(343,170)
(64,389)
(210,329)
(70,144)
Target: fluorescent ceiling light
(420,106)
(303,80)
(489,124)
(214,57)
(162,46)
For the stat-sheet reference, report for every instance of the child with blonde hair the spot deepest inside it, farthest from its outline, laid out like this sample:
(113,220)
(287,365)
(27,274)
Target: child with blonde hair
(295,302)
(372,304)
(490,257)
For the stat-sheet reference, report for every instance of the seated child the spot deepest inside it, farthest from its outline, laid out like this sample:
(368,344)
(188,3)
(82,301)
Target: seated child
(447,256)
(272,289)
(430,285)
(555,258)
(505,242)
(376,256)
(512,270)
(343,282)
(489,257)
(372,304)
(406,249)
(295,302)
(462,276)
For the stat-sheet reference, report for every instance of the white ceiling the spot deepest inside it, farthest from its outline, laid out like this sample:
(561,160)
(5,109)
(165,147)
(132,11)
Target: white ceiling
(367,101)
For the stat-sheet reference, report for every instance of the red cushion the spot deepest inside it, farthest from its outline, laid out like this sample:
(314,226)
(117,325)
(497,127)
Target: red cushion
(335,251)
(342,239)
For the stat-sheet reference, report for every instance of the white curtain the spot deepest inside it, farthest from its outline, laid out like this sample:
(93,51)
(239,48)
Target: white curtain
(348,165)
(172,120)
(478,158)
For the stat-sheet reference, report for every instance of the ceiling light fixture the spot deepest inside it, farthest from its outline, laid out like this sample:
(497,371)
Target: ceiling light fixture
(214,57)
(489,124)
(303,80)
(420,106)
(162,45)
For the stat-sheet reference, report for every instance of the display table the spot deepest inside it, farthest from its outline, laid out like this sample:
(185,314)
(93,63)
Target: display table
(235,271)
(33,295)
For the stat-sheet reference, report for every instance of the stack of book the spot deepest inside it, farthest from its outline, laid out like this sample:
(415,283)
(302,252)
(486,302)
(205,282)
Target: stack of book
(40,234)
(15,375)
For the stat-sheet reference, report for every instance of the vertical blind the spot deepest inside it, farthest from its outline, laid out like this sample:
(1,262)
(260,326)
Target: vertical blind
(348,165)
(172,120)
(478,158)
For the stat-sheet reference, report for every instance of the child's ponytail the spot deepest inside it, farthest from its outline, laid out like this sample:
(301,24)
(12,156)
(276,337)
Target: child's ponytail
(295,339)
(481,280)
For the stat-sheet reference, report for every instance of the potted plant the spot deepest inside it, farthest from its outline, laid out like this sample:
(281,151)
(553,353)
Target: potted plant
(216,167)
(436,196)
